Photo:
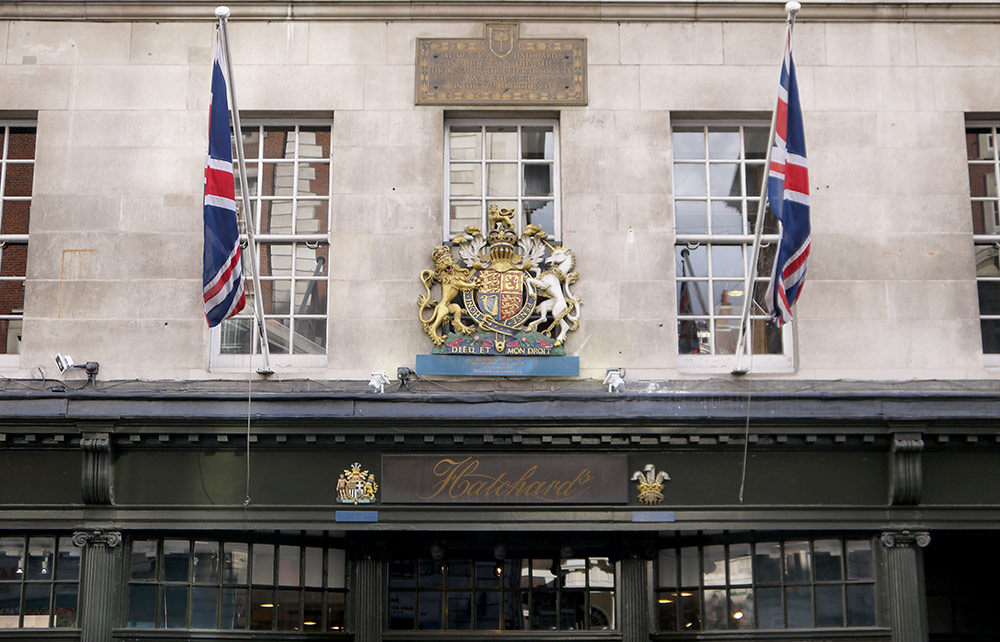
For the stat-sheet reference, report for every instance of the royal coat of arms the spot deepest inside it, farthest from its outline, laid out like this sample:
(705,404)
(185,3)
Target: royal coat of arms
(511,297)
(356,486)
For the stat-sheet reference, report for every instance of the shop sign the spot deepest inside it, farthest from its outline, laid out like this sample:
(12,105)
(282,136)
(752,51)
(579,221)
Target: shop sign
(504,479)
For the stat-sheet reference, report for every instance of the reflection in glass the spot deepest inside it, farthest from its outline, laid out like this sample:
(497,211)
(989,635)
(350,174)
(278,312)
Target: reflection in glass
(769,608)
(143,560)
(312,611)
(741,608)
(859,559)
(335,609)
(314,142)
(279,142)
(335,574)
(690,218)
(36,606)
(728,298)
(204,604)
(313,179)
(429,610)
(41,558)
(206,562)
(692,336)
(537,180)
(726,335)
(829,604)
(667,568)
(64,613)
(459,574)
(797,562)
(501,142)
(727,217)
(724,179)
(572,610)
(263,563)
(235,608)
(174,603)
(690,568)
(261,607)
(755,141)
(537,143)
(543,573)
(574,573)
(542,214)
(462,214)
(690,611)
(689,180)
(68,564)
(689,142)
(828,559)
(465,143)
(466,179)
(979,142)
(543,611)
(288,565)
(799,605)
(487,610)
(235,564)
(714,565)
(716,609)
(176,556)
(860,605)
(459,610)
(740,571)
(727,260)
(724,142)
(767,562)
(501,179)
(141,606)
(314,566)
(691,261)
(288,611)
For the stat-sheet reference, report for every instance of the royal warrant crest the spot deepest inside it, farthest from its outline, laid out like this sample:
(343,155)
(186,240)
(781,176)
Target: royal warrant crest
(650,484)
(356,486)
(511,295)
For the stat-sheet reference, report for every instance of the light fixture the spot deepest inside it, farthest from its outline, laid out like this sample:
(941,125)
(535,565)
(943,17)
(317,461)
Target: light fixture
(738,615)
(615,379)
(308,623)
(65,362)
(378,382)
(664,600)
(404,374)
(266,605)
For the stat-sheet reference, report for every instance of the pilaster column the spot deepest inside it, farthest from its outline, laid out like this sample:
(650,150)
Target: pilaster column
(100,583)
(367,595)
(905,584)
(635,599)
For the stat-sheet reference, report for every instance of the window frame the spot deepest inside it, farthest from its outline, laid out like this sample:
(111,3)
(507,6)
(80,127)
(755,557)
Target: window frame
(990,359)
(238,362)
(7,359)
(484,198)
(714,363)
(54,580)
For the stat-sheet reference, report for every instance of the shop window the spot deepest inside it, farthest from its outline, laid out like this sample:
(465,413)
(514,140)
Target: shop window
(288,177)
(717,172)
(983,164)
(17,170)
(39,581)
(508,163)
(793,584)
(202,584)
(510,595)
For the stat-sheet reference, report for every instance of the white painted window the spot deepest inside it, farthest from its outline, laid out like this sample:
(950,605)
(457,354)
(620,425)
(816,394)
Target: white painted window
(288,176)
(984,168)
(17,169)
(717,170)
(511,163)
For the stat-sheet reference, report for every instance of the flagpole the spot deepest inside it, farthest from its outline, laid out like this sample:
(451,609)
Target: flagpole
(222,13)
(791,8)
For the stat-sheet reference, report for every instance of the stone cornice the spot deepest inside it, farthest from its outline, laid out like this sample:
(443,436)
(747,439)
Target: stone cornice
(471,10)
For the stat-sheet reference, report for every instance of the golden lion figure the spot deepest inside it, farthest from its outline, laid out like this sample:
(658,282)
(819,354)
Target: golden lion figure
(453,279)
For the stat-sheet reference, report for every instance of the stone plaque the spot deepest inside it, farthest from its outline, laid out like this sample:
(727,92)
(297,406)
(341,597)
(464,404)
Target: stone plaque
(501,69)
(504,479)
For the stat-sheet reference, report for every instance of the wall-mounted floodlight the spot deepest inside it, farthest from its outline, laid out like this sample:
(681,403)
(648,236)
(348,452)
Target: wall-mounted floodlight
(65,362)
(615,379)
(378,382)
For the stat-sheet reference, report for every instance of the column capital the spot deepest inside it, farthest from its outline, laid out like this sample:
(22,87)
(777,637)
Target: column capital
(111,539)
(905,539)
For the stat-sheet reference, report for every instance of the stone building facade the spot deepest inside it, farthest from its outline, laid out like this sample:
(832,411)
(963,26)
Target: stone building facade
(845,489)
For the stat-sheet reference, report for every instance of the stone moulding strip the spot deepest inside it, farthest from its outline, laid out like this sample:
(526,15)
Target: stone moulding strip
(521,10)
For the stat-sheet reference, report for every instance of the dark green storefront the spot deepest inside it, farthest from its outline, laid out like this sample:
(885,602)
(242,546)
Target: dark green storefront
(867,513)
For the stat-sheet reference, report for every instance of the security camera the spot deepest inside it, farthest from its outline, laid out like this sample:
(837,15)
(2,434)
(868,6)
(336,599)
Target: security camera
(64,362)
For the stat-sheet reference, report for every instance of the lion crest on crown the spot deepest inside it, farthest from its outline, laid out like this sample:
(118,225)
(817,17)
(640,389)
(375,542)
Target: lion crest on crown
(510,295)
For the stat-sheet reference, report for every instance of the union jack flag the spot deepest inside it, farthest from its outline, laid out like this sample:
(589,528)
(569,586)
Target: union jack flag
(788,196)
(222,275)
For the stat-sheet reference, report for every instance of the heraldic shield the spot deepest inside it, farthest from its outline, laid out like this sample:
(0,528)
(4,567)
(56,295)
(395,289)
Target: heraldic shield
(512,297)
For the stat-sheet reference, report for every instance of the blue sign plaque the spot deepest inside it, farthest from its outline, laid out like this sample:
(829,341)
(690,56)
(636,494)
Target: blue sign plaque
(497,366)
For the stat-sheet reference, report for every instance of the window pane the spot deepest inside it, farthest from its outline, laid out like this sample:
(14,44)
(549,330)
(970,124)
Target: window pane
(275,218)
(462,214)
(501,180)
(727,333)
(279,141)
(797,562)
(991,335)
(204,604)
(574,573)
(602,610)
(755,172)
(68,564)
(22,143)
(15,217)
(542,214)
(740,571)
(741,609)
(487,610)
(311,217)
(724,142)
(689,142)
(691,261)
(335,611)
(769,610)
(466,179)
(829,604)
(288,611)
(37,605)
(690,217)
(727,217)
(667,569)
(235,608)
(174,604)
(41,558)
(465,143)
(724,179)
(501,142)
(429,613)
(716,615)
(206,562)
(860,605)
(828,560)
(989,297)
(459,610)
(19,177)
(65,606)
(288,565)
(602,573)
(335,574)
(175,560)
(141,606)
(429,574)
(314,567)
(537,143)
(727,260)
(690,570)
(979,141)
(314,179)
(543,573)
(459,574)
(544,605)
(276,179)
(261,606)
(755,140)
(488,575)
(537,180)
(573,611)
(728,298)
(314,142)
(263,564)
(767,562)
(235,568)
(312,611)
(714,566)
(692,337)
(859,559)
(765,337)
(690,611)
(799,603)
(689,180)
(400,610)
(515,610)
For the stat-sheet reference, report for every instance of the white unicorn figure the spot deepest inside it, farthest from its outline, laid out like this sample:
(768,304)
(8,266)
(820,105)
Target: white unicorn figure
(561,303)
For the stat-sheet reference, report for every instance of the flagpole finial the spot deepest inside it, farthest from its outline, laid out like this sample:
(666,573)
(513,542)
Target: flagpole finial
(223,11)
(790,7)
